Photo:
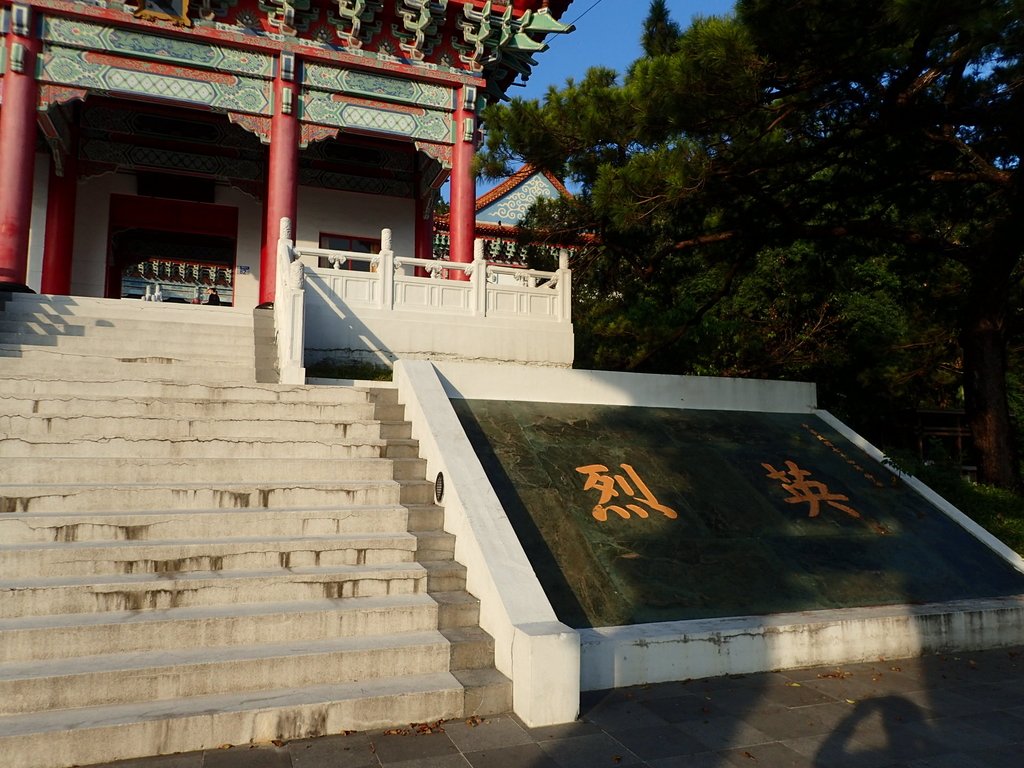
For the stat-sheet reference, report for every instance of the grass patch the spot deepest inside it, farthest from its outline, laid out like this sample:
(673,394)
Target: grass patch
(327,369)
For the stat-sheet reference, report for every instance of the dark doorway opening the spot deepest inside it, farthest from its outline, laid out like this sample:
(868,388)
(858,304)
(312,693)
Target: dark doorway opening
(171,250)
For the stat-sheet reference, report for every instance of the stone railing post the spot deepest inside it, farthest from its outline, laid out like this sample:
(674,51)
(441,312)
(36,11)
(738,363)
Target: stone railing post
(478,278)
(387,271)
(564,287)
(289,308)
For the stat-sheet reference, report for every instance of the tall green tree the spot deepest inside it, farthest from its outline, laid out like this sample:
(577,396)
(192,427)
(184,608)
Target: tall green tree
(879,127)
(661,32)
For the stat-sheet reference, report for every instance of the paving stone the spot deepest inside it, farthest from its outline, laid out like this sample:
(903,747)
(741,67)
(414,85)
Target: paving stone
(247,757)
(990,729)
(945,702)
(719,733)
(1002,757)
(865,684)
(623,716)
(829,753)
(948,760)
(395,748)
(790,723)
(774,754)
(994,695)
(492,733)
(518,756)
(659,741)
(333,752)
(184,760)
(700,760)
(677,709)
(740,701)
(437,761)
(589,752)
(563,731)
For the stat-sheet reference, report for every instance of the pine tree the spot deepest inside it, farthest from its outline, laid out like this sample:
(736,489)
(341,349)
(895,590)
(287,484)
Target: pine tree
(661,33)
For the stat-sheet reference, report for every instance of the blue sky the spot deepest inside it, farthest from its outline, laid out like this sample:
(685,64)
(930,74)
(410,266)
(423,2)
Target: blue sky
(607,34)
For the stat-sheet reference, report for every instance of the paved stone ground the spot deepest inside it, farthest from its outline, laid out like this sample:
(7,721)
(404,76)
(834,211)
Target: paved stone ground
(964,710)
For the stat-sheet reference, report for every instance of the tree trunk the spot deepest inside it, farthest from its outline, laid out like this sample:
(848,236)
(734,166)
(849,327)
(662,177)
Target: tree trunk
(984,343)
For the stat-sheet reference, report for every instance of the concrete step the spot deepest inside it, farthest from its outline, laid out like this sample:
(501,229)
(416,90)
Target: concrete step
(486,692)
(131,427)
(179,408)
(47,324)
(186,409)
(61,525)
(128,469)
(444,575)
(457,608)
(238,448)
(51,364)
(434,545)
(92,735)
(131,592)
(209,350)
(14,386)
(161,496)
(83,558)
(30,638)
(471,648)
(77,308)
(289,605)
(93,681)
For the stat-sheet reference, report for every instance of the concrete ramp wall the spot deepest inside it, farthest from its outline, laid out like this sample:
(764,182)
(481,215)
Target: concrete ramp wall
(847,524)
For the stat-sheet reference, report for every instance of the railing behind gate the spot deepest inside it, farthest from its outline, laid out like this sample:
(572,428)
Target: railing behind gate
(425,285)
(346,305)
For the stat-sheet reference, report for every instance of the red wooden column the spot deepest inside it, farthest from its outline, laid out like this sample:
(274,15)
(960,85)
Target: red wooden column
(282,171)
(18,145)
(463,188)
(61,198)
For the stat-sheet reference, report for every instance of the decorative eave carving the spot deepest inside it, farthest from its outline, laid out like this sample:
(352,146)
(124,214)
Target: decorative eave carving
(289,17)
(418,34)
(356,21)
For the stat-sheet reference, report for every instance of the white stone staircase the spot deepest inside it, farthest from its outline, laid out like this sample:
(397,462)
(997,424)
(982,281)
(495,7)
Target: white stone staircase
(190,559)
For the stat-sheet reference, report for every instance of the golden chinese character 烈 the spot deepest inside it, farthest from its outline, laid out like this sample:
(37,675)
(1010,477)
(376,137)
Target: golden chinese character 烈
(610,485)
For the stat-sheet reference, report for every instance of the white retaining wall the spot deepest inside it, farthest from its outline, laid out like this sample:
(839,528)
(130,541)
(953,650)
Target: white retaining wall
(649,653)
(390,313)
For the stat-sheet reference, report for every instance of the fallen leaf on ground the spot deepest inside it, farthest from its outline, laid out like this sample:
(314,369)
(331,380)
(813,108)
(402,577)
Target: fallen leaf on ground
(791,684)
(837,675)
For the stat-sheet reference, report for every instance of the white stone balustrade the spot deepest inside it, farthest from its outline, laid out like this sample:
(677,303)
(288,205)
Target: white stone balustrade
(400,306)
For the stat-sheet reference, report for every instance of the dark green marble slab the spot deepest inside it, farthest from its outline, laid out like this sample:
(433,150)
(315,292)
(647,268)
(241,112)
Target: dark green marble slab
(729,528)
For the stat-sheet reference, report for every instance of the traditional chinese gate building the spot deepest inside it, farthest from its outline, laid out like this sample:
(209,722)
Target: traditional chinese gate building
(162,143)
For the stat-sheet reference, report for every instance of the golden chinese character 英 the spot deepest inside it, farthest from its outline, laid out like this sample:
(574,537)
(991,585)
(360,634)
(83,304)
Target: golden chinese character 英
(803,491)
